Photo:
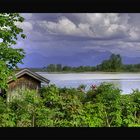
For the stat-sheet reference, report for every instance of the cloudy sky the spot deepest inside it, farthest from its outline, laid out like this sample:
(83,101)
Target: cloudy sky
(79,39)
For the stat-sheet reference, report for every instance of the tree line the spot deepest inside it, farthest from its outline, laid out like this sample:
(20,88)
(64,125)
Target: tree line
(113,64)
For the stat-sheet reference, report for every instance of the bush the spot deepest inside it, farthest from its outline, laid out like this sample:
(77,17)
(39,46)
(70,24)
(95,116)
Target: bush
(103,106)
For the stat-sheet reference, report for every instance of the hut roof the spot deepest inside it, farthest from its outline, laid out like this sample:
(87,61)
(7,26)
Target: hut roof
(30,73)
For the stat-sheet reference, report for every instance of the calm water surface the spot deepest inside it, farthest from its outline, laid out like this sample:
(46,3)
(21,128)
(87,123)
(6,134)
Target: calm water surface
(125,81)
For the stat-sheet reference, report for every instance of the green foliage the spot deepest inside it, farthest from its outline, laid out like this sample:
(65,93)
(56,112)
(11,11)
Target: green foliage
(9,56)
(107,96)
(93,115)
(60,68)
(4,74)
(103,106)
(114,64)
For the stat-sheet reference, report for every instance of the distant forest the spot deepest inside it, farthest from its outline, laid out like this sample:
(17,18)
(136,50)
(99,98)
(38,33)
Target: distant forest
(113,64)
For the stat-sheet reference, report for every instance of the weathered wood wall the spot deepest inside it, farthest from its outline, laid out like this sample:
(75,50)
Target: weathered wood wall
(24,81)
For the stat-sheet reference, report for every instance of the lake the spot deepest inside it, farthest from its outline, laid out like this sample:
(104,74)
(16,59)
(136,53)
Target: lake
(125,81)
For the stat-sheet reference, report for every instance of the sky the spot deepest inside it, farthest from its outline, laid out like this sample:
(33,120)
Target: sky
(76,39)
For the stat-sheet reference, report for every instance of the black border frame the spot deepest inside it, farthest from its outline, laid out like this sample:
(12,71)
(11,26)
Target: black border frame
(74,6)
(70,133)
(70,6)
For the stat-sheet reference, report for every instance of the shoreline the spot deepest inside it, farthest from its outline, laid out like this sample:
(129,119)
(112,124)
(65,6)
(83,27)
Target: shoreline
(88,72)
(92,76)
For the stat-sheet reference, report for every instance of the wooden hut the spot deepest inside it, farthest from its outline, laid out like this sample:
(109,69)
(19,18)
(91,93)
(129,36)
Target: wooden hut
(25,79)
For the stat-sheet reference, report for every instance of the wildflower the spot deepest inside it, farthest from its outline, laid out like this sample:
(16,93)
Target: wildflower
(93,87)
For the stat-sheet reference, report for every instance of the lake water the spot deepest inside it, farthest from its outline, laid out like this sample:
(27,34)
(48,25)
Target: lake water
(125,81)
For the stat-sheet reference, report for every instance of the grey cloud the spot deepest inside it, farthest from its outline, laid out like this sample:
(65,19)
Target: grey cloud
(114,33)
(92,25)
(95,25)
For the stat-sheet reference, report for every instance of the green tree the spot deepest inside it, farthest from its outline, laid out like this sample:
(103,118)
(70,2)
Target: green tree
(67,68)
(59,67)
(114,63)
(51,68)
(9,56)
